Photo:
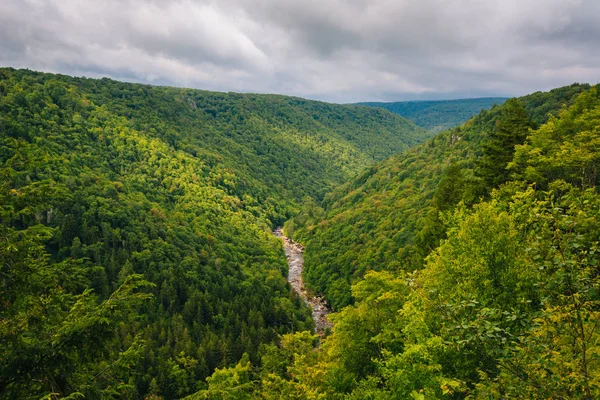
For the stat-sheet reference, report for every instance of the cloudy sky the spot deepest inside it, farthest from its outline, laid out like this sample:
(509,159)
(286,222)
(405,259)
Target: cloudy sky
(334,50)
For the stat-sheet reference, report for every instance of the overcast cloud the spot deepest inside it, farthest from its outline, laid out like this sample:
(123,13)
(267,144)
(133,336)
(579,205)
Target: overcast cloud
(334,50)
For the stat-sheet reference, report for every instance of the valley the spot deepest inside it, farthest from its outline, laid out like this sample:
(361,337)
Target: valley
(142,258)
(293,252)
(161,200)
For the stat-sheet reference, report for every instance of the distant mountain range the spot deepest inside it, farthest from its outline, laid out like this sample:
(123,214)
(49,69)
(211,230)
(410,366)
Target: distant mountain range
(438,115)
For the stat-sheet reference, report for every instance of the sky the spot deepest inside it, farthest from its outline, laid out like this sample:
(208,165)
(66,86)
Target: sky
(332,50)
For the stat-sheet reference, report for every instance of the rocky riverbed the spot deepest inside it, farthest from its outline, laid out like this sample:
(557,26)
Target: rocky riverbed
(293,252)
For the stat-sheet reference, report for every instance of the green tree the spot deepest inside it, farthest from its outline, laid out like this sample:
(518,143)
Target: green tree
(512,128)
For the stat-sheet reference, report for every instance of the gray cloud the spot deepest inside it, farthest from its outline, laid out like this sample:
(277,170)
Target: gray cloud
(336,50)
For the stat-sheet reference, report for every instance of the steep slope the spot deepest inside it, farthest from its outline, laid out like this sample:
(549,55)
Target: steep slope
(138,255)
(505,307)
(439,115)
(389,217)
(274,144)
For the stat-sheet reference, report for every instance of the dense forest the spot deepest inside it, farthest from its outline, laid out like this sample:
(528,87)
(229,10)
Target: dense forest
(391,216)
(439,115)
(498,298)
(468,266)
(138,260)
(136,223)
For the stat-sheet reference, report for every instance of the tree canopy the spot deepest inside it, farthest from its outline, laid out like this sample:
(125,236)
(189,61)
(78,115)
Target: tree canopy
(137,259)
(136,221)
(439,115)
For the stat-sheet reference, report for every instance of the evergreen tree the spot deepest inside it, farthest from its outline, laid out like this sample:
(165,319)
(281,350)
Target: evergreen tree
(511,129)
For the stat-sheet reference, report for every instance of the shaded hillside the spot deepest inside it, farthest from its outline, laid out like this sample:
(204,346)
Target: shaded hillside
(439,115)
(388,218)
(136,223)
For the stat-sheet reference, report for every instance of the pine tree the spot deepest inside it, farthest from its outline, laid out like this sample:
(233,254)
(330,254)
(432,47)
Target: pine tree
(511,129)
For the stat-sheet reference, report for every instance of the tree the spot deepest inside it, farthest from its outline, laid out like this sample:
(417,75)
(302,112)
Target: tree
(511,129)
(229,383)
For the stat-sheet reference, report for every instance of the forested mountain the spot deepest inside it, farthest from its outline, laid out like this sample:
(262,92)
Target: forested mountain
(137,255)
(137,259)
(462,286)
(439,115)
(389,216)
(504,305)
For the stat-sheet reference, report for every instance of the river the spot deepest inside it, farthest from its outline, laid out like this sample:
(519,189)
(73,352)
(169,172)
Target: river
(293,252)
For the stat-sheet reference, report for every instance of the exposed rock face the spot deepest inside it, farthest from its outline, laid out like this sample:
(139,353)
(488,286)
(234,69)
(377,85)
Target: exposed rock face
(293,252)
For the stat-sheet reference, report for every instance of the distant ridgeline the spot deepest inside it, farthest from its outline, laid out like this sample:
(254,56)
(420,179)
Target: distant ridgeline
(439,115)
(136,252)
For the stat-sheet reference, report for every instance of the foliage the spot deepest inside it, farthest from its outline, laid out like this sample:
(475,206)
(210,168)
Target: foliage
(439,115)
(391,216)
(512,127)
(137,258)
(228,383)
(106,186)
(566,148)
(506,304)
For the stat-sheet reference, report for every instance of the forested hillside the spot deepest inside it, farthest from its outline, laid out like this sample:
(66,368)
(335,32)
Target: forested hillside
(391,216)
(439,115)
(504,306)
(137,259)
(137,255)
